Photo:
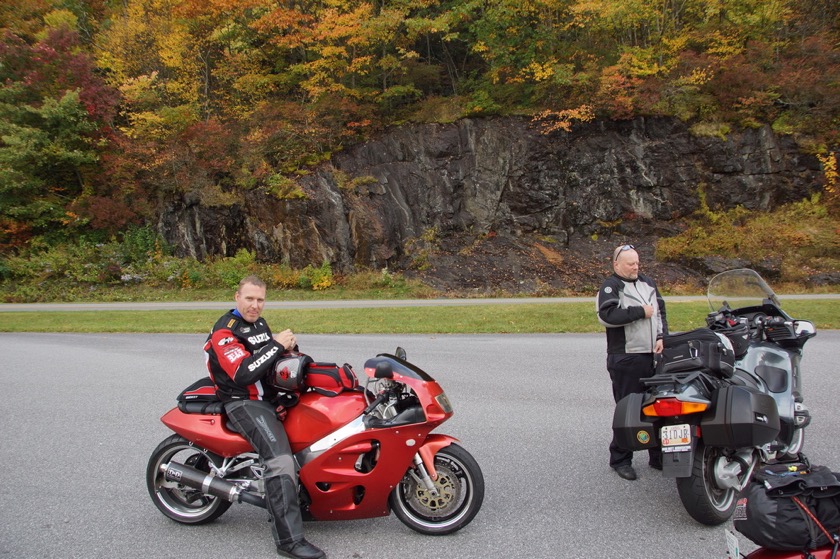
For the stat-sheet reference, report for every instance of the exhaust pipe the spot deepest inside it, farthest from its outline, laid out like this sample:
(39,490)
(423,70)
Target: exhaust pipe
(209,484)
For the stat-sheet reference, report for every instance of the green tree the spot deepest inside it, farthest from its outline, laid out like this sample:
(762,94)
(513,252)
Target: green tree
(44,154)
(53,114)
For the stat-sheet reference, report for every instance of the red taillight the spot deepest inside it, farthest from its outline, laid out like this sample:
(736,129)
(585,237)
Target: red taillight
(668,407)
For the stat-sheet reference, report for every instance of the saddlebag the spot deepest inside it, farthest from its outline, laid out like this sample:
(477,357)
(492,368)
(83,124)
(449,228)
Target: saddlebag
(630,430)
(697,350)
(200,397)
(740,417)
(329,379)
(790,507)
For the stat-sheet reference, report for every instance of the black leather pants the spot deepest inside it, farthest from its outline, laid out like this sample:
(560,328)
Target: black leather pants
(626,369)
(256,421)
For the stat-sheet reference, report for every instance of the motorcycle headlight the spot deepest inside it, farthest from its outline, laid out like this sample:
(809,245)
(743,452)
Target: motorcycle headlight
(443,402)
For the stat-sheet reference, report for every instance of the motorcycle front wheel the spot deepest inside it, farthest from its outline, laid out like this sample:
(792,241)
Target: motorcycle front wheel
(700,495)
(460,488)
(791,452)
(179,502)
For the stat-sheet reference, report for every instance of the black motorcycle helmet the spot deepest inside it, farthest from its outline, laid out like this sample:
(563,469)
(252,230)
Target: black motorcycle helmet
(289,371)
(739,335)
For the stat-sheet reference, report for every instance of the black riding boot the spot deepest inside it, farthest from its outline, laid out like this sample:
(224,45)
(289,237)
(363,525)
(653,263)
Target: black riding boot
(286,520)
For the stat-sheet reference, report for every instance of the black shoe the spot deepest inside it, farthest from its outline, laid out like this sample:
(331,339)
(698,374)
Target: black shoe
(300,550)
(655,465)
(625,471)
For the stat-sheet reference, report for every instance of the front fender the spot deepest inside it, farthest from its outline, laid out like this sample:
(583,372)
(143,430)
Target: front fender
(430,447)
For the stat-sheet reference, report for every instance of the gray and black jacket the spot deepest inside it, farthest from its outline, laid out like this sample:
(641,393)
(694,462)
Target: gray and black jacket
(619,307)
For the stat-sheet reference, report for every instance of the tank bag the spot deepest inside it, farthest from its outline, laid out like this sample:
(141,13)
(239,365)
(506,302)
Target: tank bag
(329,379)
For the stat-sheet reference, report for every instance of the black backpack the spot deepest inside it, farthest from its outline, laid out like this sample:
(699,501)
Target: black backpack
(790,507)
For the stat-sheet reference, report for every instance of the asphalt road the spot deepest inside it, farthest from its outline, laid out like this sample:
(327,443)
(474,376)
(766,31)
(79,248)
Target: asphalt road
(80,418)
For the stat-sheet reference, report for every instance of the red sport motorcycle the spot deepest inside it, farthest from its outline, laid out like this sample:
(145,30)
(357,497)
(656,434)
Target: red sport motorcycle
(829,552)
(362,453)
(825,552)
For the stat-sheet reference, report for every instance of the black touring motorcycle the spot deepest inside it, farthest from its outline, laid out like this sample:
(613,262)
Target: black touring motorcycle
(724,399)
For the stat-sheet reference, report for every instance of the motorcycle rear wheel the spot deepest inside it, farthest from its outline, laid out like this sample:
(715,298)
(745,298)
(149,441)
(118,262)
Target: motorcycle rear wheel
(704,501)
(179,502)
(460,486)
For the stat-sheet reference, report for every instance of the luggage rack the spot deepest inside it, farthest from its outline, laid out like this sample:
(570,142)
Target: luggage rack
(681,378)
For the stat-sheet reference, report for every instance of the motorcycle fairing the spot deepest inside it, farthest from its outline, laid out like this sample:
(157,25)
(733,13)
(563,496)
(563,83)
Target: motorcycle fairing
(346,490)
(353,468)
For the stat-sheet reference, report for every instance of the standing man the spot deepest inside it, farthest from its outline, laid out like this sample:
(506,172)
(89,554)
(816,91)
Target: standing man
(633,311)
(241,352)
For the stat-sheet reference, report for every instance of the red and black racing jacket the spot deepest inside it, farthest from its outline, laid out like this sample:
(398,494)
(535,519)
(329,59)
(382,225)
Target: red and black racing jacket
(239,355)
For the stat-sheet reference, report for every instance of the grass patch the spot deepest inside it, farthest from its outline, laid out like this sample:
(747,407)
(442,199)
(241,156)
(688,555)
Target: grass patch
(800,238)
(469,319)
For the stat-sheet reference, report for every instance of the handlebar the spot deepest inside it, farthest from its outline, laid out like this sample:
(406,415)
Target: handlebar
(376,401)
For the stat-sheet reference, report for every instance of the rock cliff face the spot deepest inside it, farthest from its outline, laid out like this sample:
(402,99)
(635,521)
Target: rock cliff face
(454,187)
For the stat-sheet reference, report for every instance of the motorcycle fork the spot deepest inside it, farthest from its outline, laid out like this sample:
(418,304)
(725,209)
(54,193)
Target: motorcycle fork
(424,463)
(423,476)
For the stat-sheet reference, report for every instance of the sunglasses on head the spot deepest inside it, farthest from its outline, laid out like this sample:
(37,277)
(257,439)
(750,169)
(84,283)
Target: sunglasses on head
(621,249)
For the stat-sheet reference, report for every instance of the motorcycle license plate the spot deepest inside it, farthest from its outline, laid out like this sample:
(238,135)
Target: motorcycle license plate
(676,438)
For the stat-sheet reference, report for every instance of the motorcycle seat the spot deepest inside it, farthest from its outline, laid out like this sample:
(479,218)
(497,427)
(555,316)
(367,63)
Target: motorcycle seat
(212,408)
(207,408)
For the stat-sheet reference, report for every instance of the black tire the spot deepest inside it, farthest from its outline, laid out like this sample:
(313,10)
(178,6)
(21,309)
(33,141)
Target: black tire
(797,443)
(179,502)
(460,485)
(700,495)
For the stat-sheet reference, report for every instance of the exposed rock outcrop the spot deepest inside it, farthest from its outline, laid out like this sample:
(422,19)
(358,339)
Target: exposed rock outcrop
(455,188)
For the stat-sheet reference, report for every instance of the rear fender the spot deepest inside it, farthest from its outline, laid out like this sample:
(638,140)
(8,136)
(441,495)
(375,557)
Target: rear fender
(431,446)
(679,464)
(207,431)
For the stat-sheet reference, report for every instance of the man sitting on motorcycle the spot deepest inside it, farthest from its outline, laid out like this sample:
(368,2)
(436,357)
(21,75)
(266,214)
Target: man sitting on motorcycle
(241,351)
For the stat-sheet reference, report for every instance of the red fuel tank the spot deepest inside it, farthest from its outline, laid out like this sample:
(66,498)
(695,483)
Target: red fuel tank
(316,416)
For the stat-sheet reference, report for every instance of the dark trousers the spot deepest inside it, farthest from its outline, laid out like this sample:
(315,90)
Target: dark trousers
(626,370)
(257,422)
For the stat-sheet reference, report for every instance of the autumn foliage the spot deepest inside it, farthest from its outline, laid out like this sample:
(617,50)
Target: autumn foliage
(109,108)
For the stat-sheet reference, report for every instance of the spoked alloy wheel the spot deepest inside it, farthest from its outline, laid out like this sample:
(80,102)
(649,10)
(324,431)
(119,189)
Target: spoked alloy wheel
(179,502)
(700,495)
(460,486)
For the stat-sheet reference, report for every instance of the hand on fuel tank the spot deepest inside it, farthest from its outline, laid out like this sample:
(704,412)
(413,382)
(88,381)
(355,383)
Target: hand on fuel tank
(287,339)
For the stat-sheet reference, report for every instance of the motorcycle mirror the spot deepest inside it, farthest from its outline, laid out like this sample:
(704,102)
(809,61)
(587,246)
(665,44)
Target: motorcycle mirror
(400,352)
(384,370)
(804,328)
